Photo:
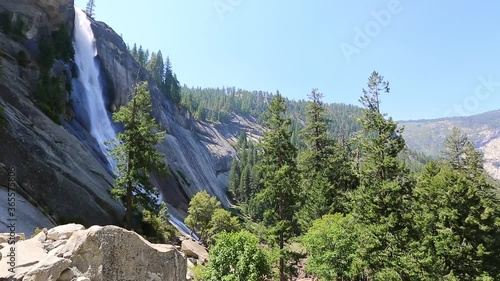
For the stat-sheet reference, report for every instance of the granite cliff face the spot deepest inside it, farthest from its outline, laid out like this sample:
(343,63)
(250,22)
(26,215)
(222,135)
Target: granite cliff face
(58,171)
(198,153)
(483,130)
(55,172)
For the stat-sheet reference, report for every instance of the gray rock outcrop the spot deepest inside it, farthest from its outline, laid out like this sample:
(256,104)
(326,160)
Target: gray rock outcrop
(97,254)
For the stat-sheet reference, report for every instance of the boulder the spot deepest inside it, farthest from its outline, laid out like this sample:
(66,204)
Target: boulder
(4,237)
(48,269)
(64,231)
(113,253)
(98,253)
(27,254)
(194,250)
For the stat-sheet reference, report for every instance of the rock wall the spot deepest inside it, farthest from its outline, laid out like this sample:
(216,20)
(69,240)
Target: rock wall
(199,154)
(55,172)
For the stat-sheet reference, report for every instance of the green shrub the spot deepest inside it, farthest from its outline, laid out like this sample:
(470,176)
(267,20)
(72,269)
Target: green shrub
(22,58)
(237,256)
(157,228)
(50,96)
(63,44)
(47,53)
(37,230)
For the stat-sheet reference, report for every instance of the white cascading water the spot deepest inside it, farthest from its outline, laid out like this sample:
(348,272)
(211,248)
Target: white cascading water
(88,75)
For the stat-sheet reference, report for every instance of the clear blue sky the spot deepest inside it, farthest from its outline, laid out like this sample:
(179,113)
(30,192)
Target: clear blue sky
(434,53)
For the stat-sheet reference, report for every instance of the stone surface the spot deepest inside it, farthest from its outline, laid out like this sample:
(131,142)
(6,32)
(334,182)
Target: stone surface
(28,253)
(97,254)
(48,269)
(56,174)
(199,153)
(5,237)
(113,253)
(194,250)
(64,231)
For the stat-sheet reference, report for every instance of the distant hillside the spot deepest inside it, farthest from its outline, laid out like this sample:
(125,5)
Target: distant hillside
(428,136)
(423,137)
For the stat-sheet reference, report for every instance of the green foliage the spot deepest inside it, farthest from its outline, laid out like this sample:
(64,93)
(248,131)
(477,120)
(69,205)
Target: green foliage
(136,154)
(47,53)
(332,243)
(157,228)
(90,9)
(201,209)
(207,219)
(222,221)
(237,257)
(457,216)
(50,96)
(63,44)
(325,167)
(219,103)
(383,201)
(35,232)
(385,214)
(22,58)
(161,72)
(281,177)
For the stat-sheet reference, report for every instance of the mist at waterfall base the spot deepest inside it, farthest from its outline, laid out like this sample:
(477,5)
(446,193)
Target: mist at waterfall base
(89,99)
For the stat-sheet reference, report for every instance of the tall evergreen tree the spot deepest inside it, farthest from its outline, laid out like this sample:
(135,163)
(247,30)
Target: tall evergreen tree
(135,53)
(159,68)
(141,56)
(324,165)
(281,177)
(136,154)
(458,220)
(90,10)
(383,201)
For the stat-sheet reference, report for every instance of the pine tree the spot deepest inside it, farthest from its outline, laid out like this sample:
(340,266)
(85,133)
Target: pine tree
(135,53)
(281,177)
(457,217)
(383,201)
(159,68)
(141,56)
(324,166)
(234,178)
(461,155)
(136,154)
(169,77)
(90,8)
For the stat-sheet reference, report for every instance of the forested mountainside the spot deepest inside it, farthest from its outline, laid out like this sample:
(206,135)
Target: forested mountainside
(483,130)
(94,131)
(424,138)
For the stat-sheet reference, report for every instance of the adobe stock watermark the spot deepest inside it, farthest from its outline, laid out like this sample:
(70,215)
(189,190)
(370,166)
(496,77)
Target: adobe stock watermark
(222,7)
(372,29)
(484,90)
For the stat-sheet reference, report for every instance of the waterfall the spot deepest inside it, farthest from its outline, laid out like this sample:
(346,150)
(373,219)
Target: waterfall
(92,97)
(90,94)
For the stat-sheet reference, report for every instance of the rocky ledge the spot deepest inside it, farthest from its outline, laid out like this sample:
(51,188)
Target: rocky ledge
(71,252)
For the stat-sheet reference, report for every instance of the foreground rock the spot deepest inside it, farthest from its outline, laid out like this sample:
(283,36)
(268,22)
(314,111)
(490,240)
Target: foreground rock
(194,250)
(97,253)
